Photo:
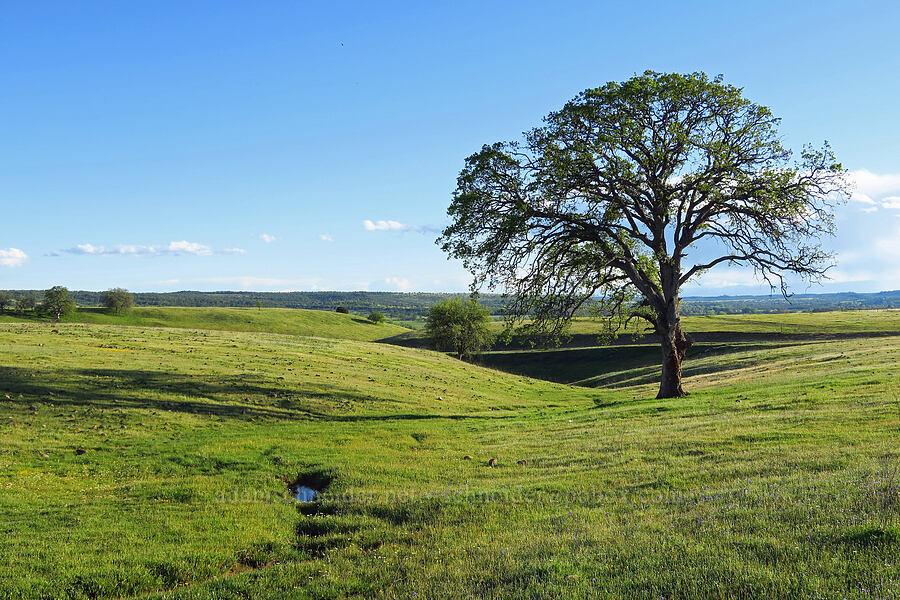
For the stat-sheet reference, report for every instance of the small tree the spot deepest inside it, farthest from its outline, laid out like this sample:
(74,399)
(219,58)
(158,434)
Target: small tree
(26,302)
(376,317)
(259,305)
(6,299)
(58,302)
(461,327)
(342,309)
(118,300)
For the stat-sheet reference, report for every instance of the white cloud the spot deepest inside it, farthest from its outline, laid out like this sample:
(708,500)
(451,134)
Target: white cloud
(385,226)
(326,238)
(171,249)
(842,276)
(185,247)
(389,225)
(724,277)
(90,249)
(401,284)
(872,258)
(876,190)
(891,202)
(267,238)
(12,257)
(889,246)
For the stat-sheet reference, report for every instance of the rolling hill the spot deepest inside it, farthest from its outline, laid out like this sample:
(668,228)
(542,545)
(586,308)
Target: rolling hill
(316,323)
(158,463)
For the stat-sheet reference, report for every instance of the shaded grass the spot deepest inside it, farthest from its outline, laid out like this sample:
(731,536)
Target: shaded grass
(615,364)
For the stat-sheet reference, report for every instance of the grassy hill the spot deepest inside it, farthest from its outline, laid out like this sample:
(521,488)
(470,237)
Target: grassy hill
(155,463)
(317,323)
(723,339)
(581,361)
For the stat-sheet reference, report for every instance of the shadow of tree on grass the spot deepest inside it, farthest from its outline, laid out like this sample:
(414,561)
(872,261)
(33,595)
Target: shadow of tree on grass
(233,396)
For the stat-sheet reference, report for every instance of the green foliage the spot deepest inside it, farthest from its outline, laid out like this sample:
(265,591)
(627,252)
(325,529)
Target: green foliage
(26,302)
(376,317)
(461,327)
(602,204)
(58,302)
(342,309)
(6,299)
(118,300)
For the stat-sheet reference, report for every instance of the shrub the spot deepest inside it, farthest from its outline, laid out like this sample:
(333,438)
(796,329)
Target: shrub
(118,300)
(342,309)
(461,327)
(376,317)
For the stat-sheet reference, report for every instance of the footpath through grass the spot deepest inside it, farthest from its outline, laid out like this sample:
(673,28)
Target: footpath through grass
(154,463)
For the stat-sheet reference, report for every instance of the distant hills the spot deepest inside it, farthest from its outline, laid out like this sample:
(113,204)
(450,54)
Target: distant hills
(415,305)
(797,303)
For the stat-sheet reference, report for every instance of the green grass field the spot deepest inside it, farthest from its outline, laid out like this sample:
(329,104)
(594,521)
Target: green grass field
(155,463)
(291,321)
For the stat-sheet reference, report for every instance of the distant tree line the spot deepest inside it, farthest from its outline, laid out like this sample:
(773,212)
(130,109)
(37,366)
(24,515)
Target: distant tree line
(57,301)
(412,306)
(730,305)
(20,301)
(394,305)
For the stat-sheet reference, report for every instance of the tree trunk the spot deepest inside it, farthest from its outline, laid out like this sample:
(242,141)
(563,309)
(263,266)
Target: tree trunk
(674,346)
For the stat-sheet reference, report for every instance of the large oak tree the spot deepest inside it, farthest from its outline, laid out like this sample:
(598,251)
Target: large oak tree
(604,203)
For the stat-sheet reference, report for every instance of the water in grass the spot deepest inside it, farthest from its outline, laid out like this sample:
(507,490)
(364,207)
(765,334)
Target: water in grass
(305,494)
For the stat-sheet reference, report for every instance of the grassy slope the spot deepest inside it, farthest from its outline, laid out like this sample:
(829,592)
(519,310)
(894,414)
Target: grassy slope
(773,479)
(290,321)
(720,338)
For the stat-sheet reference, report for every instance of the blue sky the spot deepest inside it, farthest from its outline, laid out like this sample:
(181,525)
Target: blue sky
(293,146)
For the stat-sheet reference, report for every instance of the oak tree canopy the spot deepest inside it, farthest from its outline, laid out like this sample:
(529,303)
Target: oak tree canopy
(604,204)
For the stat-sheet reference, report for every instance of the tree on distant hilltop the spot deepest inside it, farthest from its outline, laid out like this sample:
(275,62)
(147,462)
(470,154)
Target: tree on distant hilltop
(6,299)
(58,302)
(601,205)
(460,327)
(118,300)
(342,309)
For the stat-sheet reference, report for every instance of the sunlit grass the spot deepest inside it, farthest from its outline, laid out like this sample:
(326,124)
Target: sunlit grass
(317,323)
(777,477)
